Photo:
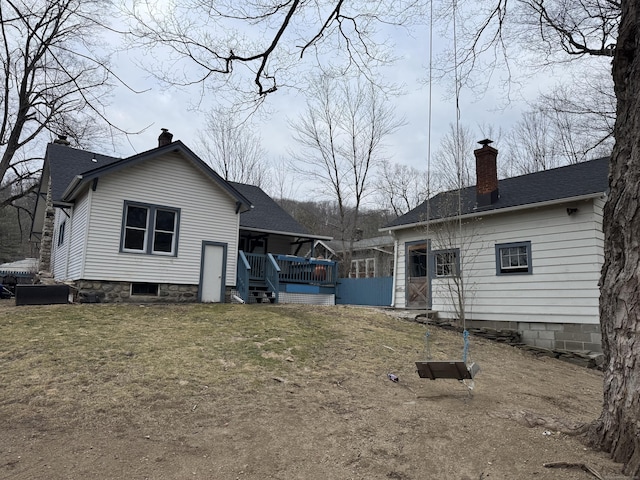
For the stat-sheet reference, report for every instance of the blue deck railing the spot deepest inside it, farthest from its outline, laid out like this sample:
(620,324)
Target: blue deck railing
(275,270)
(307,270)
(242,276)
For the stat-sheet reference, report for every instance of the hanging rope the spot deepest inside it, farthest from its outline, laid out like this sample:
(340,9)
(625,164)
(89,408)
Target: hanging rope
(429,125)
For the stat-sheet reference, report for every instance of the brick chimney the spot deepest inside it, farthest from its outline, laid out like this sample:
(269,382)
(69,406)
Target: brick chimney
(62,140)
(486,174)
(165,138)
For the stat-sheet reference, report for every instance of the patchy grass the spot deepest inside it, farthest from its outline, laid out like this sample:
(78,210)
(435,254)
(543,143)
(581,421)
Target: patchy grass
(86,361)
(270,391)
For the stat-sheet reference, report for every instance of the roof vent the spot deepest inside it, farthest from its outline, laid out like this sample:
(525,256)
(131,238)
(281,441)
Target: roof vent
(165,138)
(62,140)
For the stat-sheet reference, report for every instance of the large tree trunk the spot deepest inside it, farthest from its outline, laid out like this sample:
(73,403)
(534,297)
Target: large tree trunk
(617,431)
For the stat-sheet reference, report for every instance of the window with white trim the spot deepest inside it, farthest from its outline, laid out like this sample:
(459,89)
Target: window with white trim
(446,263)
(513,258)
(150,229)
(362,268)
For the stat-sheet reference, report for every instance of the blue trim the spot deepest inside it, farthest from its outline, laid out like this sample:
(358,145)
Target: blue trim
(150,228)
(223,283)
(500,246)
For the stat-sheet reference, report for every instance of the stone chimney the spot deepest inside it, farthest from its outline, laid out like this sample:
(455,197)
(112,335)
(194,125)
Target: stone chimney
(62,140)
(486,174)
(46,241)
(165,138)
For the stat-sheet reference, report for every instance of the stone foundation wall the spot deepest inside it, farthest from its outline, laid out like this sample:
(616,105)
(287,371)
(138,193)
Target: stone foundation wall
(119,292)
(564,336)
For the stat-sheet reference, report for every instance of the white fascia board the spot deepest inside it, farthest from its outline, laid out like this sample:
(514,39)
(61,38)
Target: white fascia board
(485,213)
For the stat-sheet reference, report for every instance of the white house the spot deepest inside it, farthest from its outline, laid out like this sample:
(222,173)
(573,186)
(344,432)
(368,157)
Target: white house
(523,253)
(157,226)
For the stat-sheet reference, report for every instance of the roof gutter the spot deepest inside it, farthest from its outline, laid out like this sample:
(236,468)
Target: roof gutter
(484,213)
(77,180)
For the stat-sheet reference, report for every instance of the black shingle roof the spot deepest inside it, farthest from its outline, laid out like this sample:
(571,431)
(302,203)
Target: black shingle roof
(66,162)
(577,180)
(266,214)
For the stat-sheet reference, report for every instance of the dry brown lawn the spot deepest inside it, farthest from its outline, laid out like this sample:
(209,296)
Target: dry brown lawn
(274,392)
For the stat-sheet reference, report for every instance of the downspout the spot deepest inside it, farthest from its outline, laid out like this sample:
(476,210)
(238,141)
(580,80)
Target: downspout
(395,271)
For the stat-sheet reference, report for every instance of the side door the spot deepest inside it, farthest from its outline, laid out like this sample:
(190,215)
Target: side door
(418,288)
(213,272)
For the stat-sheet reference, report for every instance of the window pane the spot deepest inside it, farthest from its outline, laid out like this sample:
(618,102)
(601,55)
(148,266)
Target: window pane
(165,220)
(136,217)
(134,239)
(514,259)
(162,242)
(418,261)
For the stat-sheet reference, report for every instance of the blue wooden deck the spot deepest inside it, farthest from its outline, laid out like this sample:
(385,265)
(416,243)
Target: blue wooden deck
(265,276)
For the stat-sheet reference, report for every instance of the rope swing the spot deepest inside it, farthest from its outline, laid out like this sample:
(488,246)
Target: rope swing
(452,369)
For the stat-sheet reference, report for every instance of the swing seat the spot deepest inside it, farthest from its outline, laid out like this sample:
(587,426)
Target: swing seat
(456,370)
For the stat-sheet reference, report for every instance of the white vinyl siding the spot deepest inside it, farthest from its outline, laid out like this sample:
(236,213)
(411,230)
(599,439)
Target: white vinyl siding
(59,250)
(207,213)
(77,236)
(566,259)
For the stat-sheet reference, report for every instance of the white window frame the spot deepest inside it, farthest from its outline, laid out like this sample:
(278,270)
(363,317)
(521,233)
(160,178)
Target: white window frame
(149,239)
(515,250)
(362,268)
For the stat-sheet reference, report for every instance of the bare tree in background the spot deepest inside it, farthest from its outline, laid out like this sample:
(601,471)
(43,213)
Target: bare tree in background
(52,83)
(584,123)
(233,149)
(531,145)
(454,160)
(341,136)
(282,184)
(401,188)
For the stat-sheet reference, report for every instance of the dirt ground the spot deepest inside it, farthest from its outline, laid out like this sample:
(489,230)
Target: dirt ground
(341,418)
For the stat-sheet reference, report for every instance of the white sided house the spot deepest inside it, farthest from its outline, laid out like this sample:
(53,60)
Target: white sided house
(158,225)
(522,253)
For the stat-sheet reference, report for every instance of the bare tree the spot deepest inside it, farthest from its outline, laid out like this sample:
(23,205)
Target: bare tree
(532,145)
(341,136)
(584,123)
(282,184)
(456,244)
(454,158)
(401,188)
(51,83)
(233,149)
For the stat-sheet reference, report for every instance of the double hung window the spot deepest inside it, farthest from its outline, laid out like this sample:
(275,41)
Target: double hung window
(150,229)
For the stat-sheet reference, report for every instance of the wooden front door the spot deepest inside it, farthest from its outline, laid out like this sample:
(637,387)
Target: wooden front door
(418,285)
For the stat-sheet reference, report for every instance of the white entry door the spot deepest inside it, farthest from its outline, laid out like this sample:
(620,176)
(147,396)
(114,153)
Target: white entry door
(212,273)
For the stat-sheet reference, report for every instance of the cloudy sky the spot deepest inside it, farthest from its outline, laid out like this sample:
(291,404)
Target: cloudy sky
(163,107)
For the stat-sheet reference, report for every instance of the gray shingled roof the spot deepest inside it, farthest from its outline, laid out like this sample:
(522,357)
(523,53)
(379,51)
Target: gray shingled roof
(266,214)
(586,178)
(66,162)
